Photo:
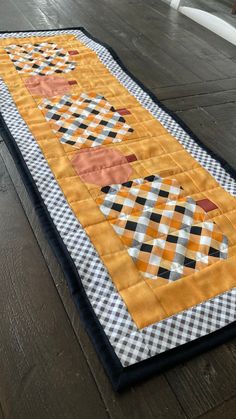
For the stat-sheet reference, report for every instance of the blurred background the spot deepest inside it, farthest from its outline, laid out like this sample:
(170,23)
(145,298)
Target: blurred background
(219,16)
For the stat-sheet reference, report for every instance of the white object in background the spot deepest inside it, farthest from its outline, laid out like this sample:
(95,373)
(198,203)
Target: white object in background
(175,4)
(211,22)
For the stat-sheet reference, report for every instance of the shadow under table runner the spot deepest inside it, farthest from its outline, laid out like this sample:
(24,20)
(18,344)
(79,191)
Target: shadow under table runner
(141,216)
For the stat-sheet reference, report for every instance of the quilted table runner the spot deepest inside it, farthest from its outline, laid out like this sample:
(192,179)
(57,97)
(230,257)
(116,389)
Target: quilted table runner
(141,216)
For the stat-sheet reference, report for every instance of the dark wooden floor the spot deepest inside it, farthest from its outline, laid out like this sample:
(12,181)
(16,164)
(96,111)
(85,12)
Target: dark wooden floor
(48,368)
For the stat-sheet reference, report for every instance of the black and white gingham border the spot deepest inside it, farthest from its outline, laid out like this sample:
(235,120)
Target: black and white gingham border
(130,344)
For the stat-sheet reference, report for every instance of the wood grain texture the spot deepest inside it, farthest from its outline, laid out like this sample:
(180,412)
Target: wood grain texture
(206,381)
(49,367)
(226,410)
(43,372)
(215,126)
(195,89)
(201,100)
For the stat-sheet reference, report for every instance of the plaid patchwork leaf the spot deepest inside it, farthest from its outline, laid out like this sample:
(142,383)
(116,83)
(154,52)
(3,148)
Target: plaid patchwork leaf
(134,229)
(40,59)
(181,252)
(137,196)
(85,120)
(167,236)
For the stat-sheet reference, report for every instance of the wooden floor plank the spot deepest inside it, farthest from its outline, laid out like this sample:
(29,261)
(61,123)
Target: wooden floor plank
(173,45)
(202,100)
(12,17)
(202,34)
(226,410)
(205,381)
(43,372)
(215,126)
(194,89)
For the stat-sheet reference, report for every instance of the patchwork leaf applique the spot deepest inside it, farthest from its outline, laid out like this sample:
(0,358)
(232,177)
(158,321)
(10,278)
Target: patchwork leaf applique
(40,58)
(167,236)
(181,252)
(47,86)
(156,222)
(86,120)
(137,195)
(101,165)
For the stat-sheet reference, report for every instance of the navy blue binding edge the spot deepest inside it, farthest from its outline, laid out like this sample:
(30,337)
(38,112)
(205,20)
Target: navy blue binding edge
(119,376)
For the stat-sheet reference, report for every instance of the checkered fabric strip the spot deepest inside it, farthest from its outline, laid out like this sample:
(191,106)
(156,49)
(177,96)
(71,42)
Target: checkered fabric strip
(151,223)
(130,198)
(130,344)
(40,59)
(181,252)
(184,327)
(86,120)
